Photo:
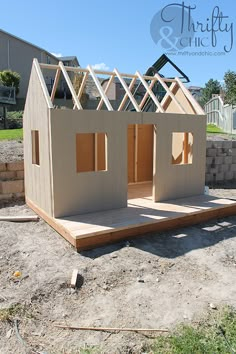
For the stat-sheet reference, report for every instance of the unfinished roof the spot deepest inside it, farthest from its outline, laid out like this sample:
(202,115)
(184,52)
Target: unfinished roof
(176,95)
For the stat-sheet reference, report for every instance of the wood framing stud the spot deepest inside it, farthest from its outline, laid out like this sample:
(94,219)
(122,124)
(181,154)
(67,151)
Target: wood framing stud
(55,84)
(42,83)
(100,89)
(170,93)
(153,97)
(127,90)
(69,83)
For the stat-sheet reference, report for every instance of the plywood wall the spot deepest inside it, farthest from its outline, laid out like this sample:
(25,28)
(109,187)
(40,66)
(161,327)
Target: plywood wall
(37,176)
(83,192)
(172,181)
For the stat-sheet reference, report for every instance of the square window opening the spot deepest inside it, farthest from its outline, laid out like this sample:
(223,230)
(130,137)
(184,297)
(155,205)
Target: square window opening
(182,148)
(91,152)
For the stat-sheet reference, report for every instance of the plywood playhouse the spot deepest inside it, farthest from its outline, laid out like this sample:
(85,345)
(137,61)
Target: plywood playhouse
(98,176)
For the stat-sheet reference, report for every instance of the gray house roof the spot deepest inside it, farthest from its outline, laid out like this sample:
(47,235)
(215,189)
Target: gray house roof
(26,42)
(66,58)
(69,58)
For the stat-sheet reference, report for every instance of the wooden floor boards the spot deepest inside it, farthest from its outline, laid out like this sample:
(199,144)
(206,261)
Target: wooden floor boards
(141,216)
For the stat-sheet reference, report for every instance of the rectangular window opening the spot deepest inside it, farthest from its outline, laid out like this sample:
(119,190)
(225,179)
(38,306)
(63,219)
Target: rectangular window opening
(182,148)
(35,147)
(91,152)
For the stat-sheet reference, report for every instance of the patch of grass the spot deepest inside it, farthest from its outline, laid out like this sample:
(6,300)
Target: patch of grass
(214,335)
(213,129)
(85,350)
(7,314)
(11,134)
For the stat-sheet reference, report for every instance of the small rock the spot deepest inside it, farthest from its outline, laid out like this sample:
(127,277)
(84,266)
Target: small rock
(213,306)
(9,333)
(105,287)
(157,280)
(114,256)
(17,274)
(140,280)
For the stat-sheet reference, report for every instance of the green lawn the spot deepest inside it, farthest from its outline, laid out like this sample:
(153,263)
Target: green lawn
(213,129)
(214,335)
(17,134)
(11,134)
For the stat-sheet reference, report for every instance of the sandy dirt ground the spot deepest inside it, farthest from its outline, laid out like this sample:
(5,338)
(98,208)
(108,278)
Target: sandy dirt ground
(155,281)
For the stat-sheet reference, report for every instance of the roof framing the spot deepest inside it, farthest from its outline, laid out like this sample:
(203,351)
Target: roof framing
(148,83)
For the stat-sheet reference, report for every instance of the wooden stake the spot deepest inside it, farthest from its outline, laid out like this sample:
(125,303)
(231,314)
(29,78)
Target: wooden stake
(107,329)
(74,278)
(19,218)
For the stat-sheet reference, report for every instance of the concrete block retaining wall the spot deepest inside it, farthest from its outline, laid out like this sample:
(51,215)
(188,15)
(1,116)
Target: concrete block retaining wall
(220,162)
(11,180)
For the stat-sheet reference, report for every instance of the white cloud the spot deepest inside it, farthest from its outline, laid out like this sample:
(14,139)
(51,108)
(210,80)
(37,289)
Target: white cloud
(59,55)
(101,66)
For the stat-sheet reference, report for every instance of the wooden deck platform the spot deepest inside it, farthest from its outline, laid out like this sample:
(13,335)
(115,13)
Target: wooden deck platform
(141,216)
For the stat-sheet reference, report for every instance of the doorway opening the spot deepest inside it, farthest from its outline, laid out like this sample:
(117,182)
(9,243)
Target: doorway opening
(140,160)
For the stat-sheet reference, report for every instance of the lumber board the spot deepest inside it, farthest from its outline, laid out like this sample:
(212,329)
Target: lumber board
(52,222)
(19,218)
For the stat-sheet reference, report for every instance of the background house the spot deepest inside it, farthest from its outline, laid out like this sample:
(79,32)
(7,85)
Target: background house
(16,54)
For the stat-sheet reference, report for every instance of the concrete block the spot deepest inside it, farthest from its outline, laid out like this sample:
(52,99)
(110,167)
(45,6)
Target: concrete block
(220,152)
(233,151)
(214,170)
(220,176)
(228,160)
(3,167)
(224,168)
(209,144)
(229,175)
(20,174)
(4,175)
(208,178)
(19,195)
(5,196)
(211,152)
(227,144)
(217,144)
(8,187)
(209,160)
(233,167)
(218,160)
(233,143)
(15,166)
(234,175)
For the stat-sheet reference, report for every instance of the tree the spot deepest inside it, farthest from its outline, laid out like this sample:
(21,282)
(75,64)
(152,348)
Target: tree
(230,87)
(10,78)
(211,87)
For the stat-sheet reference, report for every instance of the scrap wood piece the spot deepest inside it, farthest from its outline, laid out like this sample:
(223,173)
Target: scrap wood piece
(112,329)
(74,278)
(19,218)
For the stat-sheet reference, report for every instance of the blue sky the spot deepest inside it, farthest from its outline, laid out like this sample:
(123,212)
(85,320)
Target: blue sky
(117,34)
